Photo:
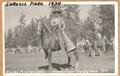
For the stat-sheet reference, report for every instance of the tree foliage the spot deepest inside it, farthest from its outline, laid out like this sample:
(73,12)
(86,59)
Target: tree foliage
(101,18)
(107,16)
(73,23)
(24,34)
(9,38)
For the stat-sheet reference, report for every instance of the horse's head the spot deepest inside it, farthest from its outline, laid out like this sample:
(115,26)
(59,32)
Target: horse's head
(43,27)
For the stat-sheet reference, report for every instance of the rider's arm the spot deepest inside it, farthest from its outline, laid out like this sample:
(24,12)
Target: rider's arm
(63,23)
(53,24)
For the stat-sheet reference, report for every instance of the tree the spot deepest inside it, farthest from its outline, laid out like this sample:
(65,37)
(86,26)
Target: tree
(19,31)
(107,16)
(72,21)
(22,19)
(6,45)
(102,17)
(9,39)
(30,33)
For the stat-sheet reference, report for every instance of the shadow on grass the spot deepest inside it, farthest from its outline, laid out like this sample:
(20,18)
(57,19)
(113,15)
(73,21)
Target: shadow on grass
(57,66)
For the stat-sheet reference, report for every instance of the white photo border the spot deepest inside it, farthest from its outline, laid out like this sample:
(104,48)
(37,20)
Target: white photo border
(115,3)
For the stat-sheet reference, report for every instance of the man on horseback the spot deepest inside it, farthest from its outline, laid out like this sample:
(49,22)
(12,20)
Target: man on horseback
(53,38)
(58,25)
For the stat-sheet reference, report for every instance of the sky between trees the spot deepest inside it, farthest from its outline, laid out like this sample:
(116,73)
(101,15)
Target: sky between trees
(12,14)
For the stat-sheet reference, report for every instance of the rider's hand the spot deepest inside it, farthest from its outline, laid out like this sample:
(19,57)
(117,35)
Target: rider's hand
(55,27)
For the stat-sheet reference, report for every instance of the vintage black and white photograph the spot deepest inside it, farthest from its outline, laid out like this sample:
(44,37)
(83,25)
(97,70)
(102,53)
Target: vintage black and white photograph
(59,37)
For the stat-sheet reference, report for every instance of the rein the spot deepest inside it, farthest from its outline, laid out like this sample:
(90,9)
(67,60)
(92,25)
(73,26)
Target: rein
(48,29)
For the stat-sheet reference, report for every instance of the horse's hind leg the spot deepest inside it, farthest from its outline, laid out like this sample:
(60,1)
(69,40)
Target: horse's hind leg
(49,59)
(69,58)
(76,57)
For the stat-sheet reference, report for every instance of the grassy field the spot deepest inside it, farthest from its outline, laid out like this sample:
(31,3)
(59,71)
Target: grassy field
(36,62)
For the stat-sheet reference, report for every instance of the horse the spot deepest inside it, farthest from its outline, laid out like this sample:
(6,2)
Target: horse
(108,44)
(50,43)
(99,46)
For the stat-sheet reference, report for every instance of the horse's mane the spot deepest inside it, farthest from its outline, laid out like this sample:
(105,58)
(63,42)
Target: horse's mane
(47,27)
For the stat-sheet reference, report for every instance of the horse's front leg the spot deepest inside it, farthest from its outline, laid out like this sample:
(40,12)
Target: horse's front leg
(76,57)
(50,59)
(69,58)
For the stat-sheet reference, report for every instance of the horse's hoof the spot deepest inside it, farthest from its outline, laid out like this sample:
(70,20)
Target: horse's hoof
(67,68)
(76,70)
(49,71)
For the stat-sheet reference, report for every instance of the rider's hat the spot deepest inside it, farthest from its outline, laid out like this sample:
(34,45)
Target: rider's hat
(59,11)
